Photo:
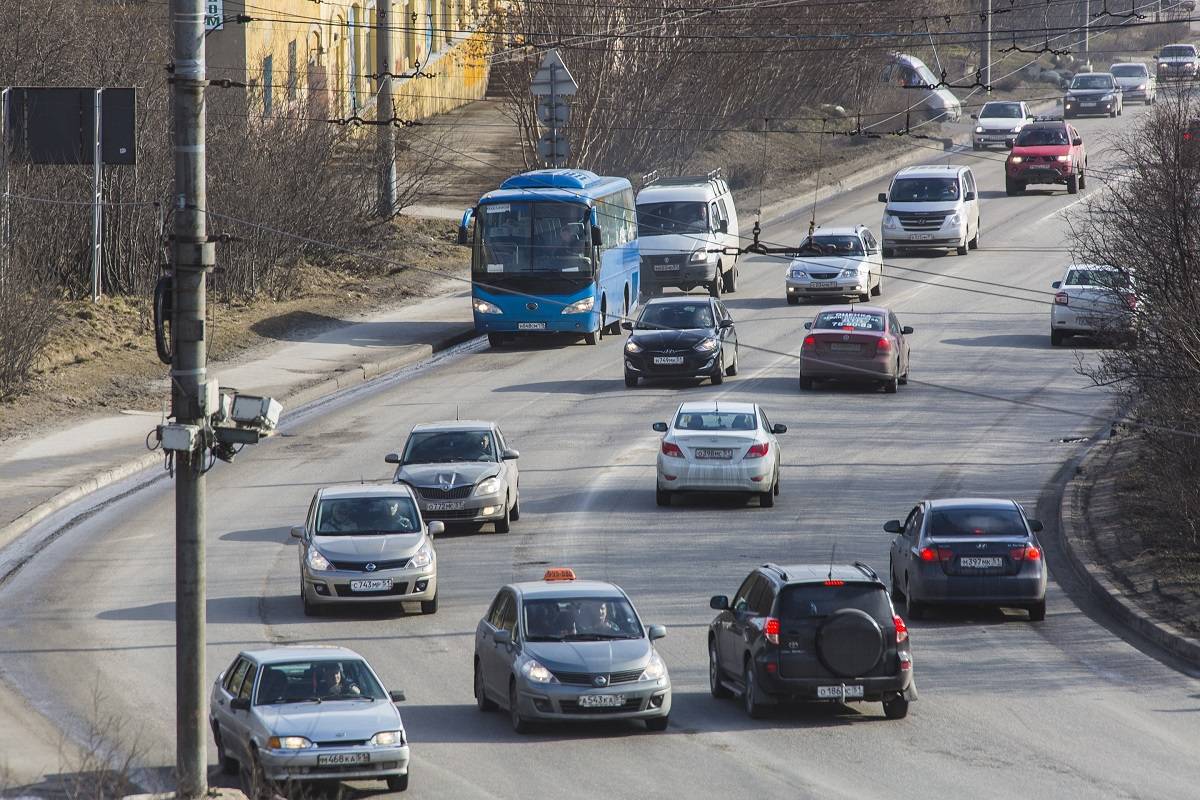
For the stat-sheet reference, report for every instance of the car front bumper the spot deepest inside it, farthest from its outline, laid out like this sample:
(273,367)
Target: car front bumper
(843,287)
(552,322)
(1081,108)
(681,475)
(991,138)
(333,587)
(677,275)
(558,701)
(695,365)
(285,765)
(1046,172)
(474,509)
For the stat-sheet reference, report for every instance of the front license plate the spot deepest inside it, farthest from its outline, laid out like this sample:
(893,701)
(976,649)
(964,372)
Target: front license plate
(668,359)
(666,267)
(842,347)
(334,759)
(823,285)
(445,506)
(921,236)
(714,452)
(981,562)
(1088,105)
(601,700)
(531,326)
(371,585)
(830,692)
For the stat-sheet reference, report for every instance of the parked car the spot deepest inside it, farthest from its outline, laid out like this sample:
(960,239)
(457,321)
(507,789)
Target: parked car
(1092,301)
(1093,93)
(857,344)
(998,121)
(681,337)
(687,230)
(1050,151)
(1136,81)
(808,632)
(836,262)
(932,206)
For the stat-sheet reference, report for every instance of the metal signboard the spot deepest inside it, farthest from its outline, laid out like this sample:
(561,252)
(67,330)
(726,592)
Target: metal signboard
(214,15)
(553,78)
(57,125)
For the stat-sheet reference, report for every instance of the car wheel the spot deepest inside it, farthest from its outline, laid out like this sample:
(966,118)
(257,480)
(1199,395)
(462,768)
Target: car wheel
(732,369)
(714,286)
(864,297)
(1082,179)
(662,497)
(914,609)
(504,524)
(515,514)
(889,252)
(397,783)
(1072,184)
(793,300)
(895,591)
(496,339)
(775,488)
(718,374)
(1037,612)
(896,707)
(429,606)
(310,609)
(974,243)
(891,386)
(519,723)
(1013,188)
(715,687)
(227,764)
(877,289)
(750,697)
(806,383)
(975,146)
(767,499)
(963,248)
(731,279)
(482,701)
(1057,338)
(631,380)
(254,781)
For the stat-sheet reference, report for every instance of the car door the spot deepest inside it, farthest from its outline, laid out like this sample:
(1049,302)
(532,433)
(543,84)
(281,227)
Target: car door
(901,340)
(234,724)
(902,546)
(728,335)
(973,208)
(243,721)
(874,259)
(731,642)
(508,467)
(227,690)
(773,450)
(496,658)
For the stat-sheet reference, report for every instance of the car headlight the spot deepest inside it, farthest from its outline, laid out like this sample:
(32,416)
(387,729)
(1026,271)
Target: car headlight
(632,347)
(423,558)
(654,670)
(488,485)
(535,672)
(581,306)
(316,561)
(979,129)
(708,345)
(1016,159)
(1141,87)
(1016,129)
(387,739)
(850,272)
(1063,158)
(288,743)
(954,220)
(890,221)
(797,274)
(484,307)
(698,256)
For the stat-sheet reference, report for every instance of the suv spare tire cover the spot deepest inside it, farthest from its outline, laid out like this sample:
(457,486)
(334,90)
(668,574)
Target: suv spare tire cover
(849,643)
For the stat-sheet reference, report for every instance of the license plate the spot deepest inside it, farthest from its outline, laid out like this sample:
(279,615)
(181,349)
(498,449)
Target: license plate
(823,285)
(334,759)
(371,585)
(843,347)
(666,267)
(531,326)
(668,359)
(714,452)
(980,562)
(830,692)
(601,700)
(921,236)
(445,506)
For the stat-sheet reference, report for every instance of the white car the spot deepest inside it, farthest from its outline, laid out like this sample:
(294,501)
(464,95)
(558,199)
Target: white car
(998,122)
(719,446)
(836,262)
(1091,300)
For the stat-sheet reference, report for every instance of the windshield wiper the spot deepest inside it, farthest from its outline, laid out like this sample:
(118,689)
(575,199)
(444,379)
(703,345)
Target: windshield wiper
(596,637)
(543,638)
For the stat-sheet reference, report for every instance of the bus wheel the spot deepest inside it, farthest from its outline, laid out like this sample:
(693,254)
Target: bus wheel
(496,339)
(593,337)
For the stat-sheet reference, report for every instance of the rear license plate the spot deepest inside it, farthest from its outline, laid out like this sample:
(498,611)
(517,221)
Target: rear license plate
(823,285)
(445,506)
(601,700)
(830,692)
(666,267)
(531,326)
(843,347)
(981,563)
(334,759)
(714,452)
(921,236)
(372,585)
(668,359)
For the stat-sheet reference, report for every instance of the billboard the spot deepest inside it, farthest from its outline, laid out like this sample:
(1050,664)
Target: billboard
(57,125)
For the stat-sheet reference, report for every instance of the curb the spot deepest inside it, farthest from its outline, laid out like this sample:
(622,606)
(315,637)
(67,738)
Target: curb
(349,376)
(1075,522)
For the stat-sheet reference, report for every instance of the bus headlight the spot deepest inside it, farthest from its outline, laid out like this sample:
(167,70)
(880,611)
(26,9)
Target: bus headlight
(484,307)
(580,306)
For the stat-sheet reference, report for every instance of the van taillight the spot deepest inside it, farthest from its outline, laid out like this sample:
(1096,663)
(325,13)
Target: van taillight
(1061,299)
(901,628)
(771,630)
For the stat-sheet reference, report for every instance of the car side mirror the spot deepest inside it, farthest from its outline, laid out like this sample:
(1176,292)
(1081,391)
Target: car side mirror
(661,427)
(435,528)
(725,323)
(462,235)
(503,637)
(626,325)
(240,704)
(719,602)
(892,526)
(1009,143)
(396,695)
(723,227)
(808,326)
(655,632)
(906,330)
(510,454)
(883,197)
(1056,285)
(297,531)
(969,196)
(1076,141)
(392,458)
(779,428)
(1036,525)
(597,238)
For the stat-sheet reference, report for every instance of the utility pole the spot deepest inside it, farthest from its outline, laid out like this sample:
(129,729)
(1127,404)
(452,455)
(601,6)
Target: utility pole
(384,111)
(986,56)
(193,259)
(1087,34)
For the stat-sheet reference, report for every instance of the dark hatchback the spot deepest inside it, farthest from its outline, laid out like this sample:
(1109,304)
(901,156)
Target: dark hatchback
(811,632)
(968,552)
(681,337)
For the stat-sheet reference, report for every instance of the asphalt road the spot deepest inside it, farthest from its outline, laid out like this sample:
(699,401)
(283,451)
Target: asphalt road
(1059,709)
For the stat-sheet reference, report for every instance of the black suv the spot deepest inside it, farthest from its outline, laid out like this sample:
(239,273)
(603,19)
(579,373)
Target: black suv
(811,632)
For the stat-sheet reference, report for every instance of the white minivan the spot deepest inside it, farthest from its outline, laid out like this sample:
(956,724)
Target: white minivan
(687,233)
(931,207)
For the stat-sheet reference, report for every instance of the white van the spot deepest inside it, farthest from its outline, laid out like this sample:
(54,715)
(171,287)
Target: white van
(685,227)
(931,207)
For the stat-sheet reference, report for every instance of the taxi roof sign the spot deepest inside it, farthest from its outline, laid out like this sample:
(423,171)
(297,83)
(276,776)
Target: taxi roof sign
(559,574)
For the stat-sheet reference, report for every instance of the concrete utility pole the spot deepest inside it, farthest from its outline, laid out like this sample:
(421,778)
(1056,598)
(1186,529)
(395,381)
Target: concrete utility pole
(986,55)
(194,257)
(384,112)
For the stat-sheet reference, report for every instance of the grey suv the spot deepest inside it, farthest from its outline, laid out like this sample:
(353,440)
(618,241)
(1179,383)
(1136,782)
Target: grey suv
(811,632)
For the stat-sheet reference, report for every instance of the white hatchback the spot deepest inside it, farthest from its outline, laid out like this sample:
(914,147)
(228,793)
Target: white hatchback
(1092,301)
(718,446)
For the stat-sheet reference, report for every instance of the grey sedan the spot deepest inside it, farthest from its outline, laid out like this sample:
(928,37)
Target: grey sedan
(289,714)
(562,649)
(461,472)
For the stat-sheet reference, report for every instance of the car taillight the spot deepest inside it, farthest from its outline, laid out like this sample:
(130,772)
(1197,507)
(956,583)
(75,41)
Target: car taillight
(1061,299)
(901,628)
(835,582)
(757,450)
(810,341)
(671,449)
(1026,552)
(771,630)
(883,344)
(928,554)
(936,554)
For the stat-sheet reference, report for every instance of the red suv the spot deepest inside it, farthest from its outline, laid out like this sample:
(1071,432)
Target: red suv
(1046,152)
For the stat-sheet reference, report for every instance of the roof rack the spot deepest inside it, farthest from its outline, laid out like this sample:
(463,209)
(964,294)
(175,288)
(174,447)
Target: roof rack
(1048,118)
(867,570)
(684,180)
(650,177)
(777,569)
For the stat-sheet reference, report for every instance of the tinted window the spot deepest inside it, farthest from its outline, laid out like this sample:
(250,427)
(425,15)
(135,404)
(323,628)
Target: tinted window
(924,190)
(813,601)
(1001,110)
(676,316)
(1129,71)
(762,599)
(685,216)
(442,447)
(580,619)
(353,516)
(848,320)
(1041,137)
(497,609)
(715,421)
(976,522)
(311,681)
(831,246)
(508,616)
(741,599)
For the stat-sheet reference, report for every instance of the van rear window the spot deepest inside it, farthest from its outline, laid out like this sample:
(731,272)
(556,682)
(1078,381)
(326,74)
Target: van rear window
(816,600)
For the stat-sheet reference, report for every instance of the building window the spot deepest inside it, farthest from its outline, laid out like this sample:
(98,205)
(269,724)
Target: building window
(293,75)
(267,84)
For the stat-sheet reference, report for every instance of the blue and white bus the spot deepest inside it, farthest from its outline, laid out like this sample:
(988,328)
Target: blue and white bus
(553,251)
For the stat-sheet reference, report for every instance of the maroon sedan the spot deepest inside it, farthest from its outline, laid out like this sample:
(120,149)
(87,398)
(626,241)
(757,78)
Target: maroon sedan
(855,343)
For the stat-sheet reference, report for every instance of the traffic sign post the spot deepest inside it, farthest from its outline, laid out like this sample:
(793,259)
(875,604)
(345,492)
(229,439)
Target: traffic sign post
(552,82)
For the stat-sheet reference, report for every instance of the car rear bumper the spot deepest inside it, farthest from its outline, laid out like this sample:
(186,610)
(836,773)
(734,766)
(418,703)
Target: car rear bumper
(828,366)
(979,590)
(687,275)
(560,702)
(333,588)
(1064,318)
(678,475)
(805,689)
(284,765)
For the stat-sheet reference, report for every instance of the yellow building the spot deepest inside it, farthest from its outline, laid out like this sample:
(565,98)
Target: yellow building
(324,52)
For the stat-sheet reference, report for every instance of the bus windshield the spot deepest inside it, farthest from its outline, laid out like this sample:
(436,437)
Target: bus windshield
(534,237)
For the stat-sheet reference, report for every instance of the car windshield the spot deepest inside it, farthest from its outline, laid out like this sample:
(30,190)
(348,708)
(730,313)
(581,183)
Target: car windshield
(923,190)
(1041,137)
(1129,70)
(831,246)
(715,421)
(1178,51)
(443,447)
(317,681)
(350,516)
(580,619)
(848,321)
(658,219)
(675,316)
(1108,278)
(952,522)
(1092,82)
(525,237)
(1001,110)
(813,601)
